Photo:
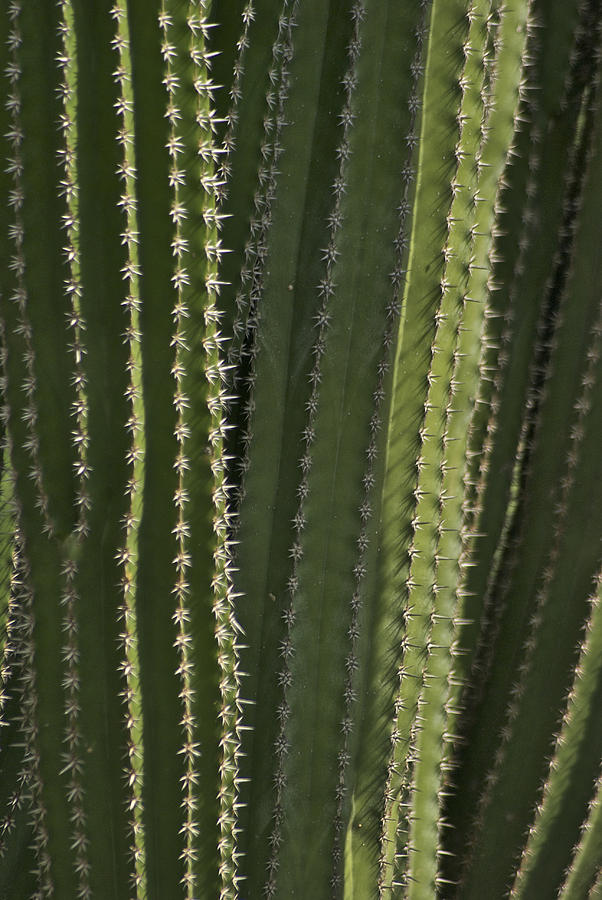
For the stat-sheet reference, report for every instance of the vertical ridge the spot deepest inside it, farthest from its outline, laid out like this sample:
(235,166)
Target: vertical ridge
(36,520)
(127,555)
(456,320)
(326,289)
(70,600)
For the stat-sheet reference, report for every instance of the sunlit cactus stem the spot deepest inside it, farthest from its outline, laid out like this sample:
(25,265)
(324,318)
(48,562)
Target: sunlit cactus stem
(300,428)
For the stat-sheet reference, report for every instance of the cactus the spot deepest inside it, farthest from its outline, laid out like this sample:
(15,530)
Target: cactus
(300,480)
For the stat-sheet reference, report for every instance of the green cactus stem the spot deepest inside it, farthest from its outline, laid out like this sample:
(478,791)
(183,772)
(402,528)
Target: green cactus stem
(300,474)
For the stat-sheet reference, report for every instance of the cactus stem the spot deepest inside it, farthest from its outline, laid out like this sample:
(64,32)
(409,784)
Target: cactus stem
(326,289)
(18,655)
(13,675)
(582,407)
(585,869)
(17,265)
(70,599)
(181,617)
(516,49)
(564,756)
(394,793)
(133,771)
(30,719)
(229,140)
(241,351)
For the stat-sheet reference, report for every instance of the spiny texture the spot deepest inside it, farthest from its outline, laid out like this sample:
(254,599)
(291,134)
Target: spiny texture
(300,471)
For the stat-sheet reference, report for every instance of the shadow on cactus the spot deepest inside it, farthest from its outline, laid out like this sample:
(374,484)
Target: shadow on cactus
(300,480)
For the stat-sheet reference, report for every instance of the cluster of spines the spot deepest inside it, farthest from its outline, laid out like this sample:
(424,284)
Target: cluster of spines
(495,341)
(538,379)
(368,481)
(10,671)
(435,634)
(16,263)
(393,786)
(30,775)
(228,650)
(217,401)
(229,141)
(505,22)
(251,275)
(493,354)
(582,407)
(18,654)
(7,521)
(242,348)
(466,368)
(465,218)
(589,830)
(181,401)
(29,414)
(596,889)
(11,682)
(215,374)
(588,663)
(539,365)
(133,770)
(549,328)
(73,762)
(547,325)
(586,853)
(391,793)
(369,477)
(226,627)
(493,20)
(326,289)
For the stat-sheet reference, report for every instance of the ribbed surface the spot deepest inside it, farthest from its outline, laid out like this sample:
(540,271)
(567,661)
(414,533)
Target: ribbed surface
(300,441)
